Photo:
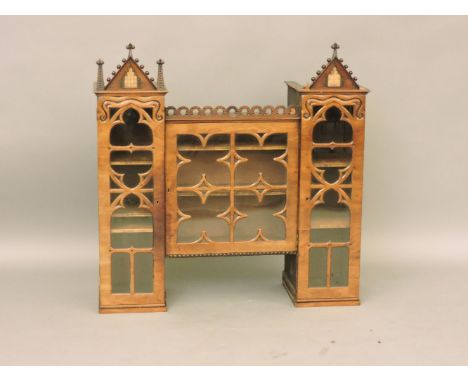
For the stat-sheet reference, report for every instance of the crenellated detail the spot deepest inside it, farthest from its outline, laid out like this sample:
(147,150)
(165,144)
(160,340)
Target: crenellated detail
(234,112)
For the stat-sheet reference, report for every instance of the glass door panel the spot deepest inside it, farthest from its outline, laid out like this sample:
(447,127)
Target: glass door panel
(331,158)
(260,219)
(201,221)
(232,187)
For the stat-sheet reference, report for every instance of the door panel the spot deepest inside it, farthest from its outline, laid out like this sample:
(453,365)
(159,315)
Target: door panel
(231,187)
(330,199)
(131,201)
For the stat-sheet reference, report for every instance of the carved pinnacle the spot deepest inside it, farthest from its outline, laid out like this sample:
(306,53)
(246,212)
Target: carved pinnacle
(100,76)
(130,47)
(160,77)
(335,47)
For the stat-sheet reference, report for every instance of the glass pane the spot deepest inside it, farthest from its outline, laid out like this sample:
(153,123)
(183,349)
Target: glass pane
(132,218)
(120,273)
(260,215)
(203,217)
(135,240)
(203,160)
(270,142)
(317,267)
(260,161)
(339,266)
(333,129)
(143,272)
(276,140)
(132,227)
(131,131)
(330,221)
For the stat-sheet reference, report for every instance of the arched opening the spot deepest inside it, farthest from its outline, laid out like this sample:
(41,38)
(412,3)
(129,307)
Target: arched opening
(131,131)
(333,129)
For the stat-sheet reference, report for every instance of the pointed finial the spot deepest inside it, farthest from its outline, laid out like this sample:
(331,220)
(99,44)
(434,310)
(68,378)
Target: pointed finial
(335,47)
(130,47)
(160,78)
(100,76)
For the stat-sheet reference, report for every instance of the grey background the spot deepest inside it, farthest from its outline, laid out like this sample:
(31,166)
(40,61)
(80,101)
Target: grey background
(234,310)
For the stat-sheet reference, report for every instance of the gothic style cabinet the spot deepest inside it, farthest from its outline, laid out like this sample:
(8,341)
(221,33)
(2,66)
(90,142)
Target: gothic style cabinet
(227,181)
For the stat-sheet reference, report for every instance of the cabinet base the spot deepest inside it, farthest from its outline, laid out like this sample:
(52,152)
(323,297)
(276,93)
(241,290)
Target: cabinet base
(317,302)
(133,309)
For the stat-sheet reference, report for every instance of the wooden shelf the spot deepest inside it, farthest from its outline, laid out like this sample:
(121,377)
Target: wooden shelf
(331,160)
(146,222)
(136,158)
(131,220)
(237,147)
(330,163)
(132,215)
(131,163)
(225,193)
(332,218)
(132,230)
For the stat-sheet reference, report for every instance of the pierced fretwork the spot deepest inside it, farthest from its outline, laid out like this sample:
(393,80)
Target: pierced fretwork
(232,159)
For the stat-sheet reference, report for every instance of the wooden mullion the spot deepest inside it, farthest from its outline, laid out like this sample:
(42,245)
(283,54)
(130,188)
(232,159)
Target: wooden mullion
(232,170)
(329,255)
(132,272)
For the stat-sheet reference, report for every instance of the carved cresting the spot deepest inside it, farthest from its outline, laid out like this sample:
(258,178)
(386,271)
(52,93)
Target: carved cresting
(358,110)
(214,112)
(104,107)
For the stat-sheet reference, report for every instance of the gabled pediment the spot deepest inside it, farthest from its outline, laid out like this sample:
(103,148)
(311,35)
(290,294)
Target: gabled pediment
(334,75)
(130,76)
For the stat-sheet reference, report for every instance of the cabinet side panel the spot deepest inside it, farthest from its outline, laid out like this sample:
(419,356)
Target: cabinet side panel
(131,203)
(332,140)
(103,208)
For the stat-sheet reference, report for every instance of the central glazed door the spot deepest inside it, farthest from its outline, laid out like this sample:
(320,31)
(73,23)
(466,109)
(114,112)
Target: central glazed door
(231,187)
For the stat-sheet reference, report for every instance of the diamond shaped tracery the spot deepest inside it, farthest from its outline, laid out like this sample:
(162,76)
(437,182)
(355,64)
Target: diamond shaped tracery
(261,187)
(204,188)
(232,154)
(232,215)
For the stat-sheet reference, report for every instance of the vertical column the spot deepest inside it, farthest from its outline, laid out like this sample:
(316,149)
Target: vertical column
(326,269)
(131,203)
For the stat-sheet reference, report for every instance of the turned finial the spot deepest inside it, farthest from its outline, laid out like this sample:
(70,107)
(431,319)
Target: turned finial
(160,78)
(335,47)
(100,76)
(130,47)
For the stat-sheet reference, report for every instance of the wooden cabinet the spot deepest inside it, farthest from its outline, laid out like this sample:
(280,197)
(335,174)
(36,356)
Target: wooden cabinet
(225,181)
